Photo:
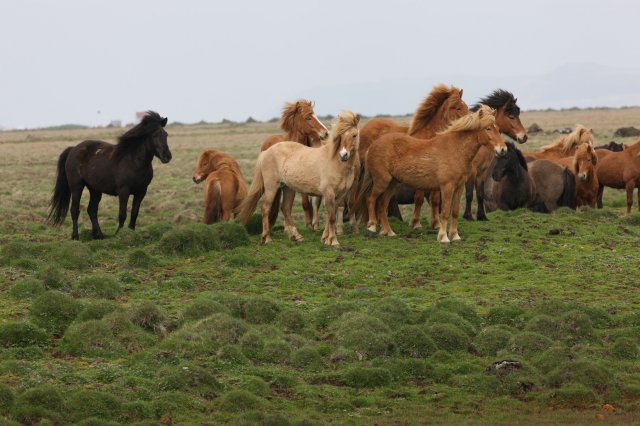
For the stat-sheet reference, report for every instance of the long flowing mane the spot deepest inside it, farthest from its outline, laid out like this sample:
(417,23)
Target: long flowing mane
(346,121)
(567,143)
(129,142)
(291,110)
(484,116)
(497,99)
(429,106)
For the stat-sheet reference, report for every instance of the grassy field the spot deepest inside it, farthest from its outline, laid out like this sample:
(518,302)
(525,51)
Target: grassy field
(182,323)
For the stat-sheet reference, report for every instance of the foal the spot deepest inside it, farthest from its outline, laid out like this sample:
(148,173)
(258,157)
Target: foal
(583,166)
(224,187)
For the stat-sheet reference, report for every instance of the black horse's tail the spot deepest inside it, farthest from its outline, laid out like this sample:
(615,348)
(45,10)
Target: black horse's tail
(568,196)
(61,193)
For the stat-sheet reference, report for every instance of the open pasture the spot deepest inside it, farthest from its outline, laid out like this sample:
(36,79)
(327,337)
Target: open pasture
(183,323)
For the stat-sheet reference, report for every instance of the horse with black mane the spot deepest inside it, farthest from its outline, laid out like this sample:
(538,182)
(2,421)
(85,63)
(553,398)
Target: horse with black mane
(510,186)
(121,170)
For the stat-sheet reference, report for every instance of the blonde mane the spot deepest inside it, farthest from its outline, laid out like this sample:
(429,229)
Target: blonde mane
(429,106)
(484,116)
(291,110)
(346,121)
(569,142)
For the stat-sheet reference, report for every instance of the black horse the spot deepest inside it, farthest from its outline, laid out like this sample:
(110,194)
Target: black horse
(123,169)
(611,146)
(510,186)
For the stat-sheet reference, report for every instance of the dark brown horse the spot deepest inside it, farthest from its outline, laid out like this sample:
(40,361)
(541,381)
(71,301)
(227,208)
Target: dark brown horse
(555,186)
(510,187)
(508,121)
(122,170)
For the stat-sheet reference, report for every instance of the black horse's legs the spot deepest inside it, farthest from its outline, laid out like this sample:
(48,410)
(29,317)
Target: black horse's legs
(469,199)
(76,193)
(94,201)
(135,208)
(123,198)
(481,215)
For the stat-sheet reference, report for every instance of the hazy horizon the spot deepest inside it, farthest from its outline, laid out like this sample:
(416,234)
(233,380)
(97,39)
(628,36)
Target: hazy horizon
(79,62)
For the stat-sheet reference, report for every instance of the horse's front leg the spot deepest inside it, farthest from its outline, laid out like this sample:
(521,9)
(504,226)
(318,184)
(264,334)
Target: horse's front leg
(468,199)
(123,199)
(600,192)
(418,201)
(455,209)
(329,236)
(135,208)
(479,182)
(288,196)
(341,205)
(630,186)
(76,194)
(447,197)
(307,208)
(315,222)
(92,209)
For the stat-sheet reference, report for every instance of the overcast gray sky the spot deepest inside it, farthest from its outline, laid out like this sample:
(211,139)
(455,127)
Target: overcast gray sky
(88,62)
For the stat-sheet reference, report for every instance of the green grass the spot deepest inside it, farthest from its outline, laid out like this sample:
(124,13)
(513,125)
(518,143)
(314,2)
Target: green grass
(198,324)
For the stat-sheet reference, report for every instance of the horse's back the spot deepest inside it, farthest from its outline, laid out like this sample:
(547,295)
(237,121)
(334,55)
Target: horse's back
(374,129)
(549,180)
(272,140)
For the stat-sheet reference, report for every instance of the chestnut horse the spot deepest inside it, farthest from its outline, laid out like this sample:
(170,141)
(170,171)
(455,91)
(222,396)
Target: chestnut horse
(621,170)
(510,187)
(602,151)
(441,163)
(439,108)
(300,124)
(327,171)
(583,166)
(224,187)
(564,146)
(508,121)
(121,170)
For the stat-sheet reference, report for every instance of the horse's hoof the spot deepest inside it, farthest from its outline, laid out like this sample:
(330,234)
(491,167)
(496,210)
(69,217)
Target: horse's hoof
(456,237)
(266,240)
(483,218)
(298,238)
(388,234)
(468,216)
(443,239)
(417,225)
(99,236)
(371,233)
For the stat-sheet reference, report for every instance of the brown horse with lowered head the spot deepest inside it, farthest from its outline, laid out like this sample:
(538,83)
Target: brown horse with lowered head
(439,108)
(564,146)
(441,163)
(621,170)
(300,124)
(327,171)
(224,187)
(508,121)
(583,166)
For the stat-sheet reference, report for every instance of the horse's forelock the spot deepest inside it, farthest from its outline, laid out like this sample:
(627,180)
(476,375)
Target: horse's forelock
(293,109)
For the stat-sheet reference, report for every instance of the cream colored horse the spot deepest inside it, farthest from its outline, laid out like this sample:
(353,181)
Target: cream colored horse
(327,171)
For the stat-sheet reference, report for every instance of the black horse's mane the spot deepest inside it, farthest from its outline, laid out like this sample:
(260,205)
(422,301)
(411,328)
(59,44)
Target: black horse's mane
(513,148)
(499,98)
(130,140)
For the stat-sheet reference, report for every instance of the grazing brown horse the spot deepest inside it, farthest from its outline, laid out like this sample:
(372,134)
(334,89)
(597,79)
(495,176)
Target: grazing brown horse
(564,146)
(224,187)
(442,105)
(583,166)
(620,170)
(300,124)
(327,171)
(510,187)
(441,163)
(555,186)
(508,121)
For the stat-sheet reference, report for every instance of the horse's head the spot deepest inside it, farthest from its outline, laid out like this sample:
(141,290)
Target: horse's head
(584,161)
(159,141)
(489,133)
(298,118)
(583,135)
(509,163)
(508,120)
(345,135)
(204,166)
(454,107)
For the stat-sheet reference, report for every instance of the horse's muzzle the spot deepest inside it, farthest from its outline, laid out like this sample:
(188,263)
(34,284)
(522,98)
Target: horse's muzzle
(522,138)
(323,135)
(501,151)
(584,177)
(197,179)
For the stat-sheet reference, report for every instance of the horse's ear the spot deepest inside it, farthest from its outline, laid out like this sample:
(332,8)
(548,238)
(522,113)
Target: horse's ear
(357,119)
(461,90)
(480,112)
(163,122)
(521,159)
(594,156)
(297,106)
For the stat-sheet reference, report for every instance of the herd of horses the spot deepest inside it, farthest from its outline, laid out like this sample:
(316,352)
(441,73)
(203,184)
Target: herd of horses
(363,174)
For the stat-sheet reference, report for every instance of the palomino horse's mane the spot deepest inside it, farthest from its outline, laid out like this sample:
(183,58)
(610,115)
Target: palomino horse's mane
(291,110)
(130,140)
(498,99)
(570,141)
(483,117)
(429,106)
(346,121)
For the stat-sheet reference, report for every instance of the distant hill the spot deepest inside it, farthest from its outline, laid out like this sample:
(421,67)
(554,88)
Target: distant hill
(572,85)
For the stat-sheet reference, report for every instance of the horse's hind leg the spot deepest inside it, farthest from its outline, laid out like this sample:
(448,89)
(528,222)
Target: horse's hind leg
(308,210)
(267,204)
(379,186)
(135,208)
(629,186)
(447,199)
(341,206)
(418,200)
(469,199)
(434,200)
(288,195)
(123,199)
(329,236)
(92,209)
(383,209)
(600,192)
(315,204)
(479,182)
(455,209)
(76,194)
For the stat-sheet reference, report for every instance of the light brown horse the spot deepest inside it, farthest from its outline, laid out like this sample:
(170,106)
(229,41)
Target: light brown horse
(439,108)
(327,171)
(441,163)
(620,170)
(300,124)
(508,121)
(224,187)
(564,146)
(583,166)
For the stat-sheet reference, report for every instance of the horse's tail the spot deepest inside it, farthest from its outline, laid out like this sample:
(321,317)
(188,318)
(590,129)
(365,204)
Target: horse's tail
(273,213)
(59,205)
(250,202)
(568,196)
(213,209)
(365,184)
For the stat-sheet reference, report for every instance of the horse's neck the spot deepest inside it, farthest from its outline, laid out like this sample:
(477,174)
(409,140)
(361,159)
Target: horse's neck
(469,145)
(433,126)
(300,137)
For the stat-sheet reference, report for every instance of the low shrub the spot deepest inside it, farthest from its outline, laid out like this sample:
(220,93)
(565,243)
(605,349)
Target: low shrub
(27,289)
(359,377)
(413,341)
(448,337)
(239,401)
(197,238)
(22,334)
(54,311)
(260,310)
(99,285)
(491,339)
(147,315)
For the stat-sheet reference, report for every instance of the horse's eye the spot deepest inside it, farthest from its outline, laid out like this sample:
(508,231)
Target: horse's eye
(512,117)
(354,135)
(308,118)
(488,129)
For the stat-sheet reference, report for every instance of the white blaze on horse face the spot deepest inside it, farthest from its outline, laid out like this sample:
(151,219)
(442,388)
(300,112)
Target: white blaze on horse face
(344,154)
(323,134)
